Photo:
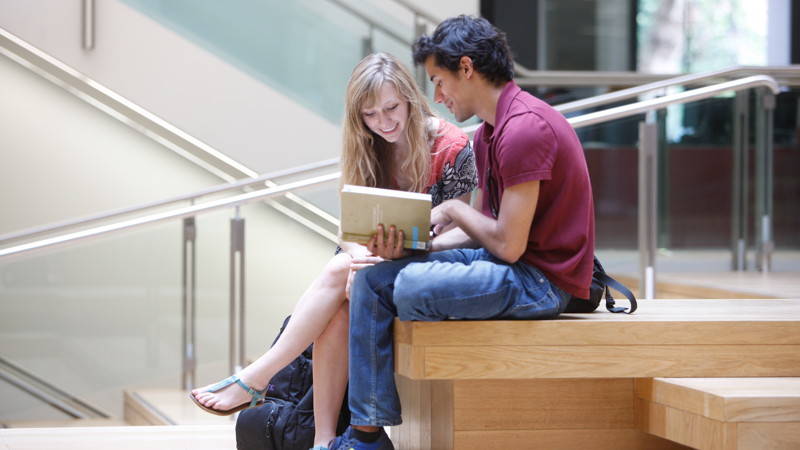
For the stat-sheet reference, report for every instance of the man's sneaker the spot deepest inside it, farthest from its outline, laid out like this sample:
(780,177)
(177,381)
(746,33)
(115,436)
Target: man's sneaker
(349,442)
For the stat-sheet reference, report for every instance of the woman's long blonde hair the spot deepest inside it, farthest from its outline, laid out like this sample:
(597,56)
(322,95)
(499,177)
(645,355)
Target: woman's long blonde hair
(364,154)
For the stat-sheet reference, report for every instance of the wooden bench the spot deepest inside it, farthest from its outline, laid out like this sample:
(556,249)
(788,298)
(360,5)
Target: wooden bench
(722,413)
(569,383)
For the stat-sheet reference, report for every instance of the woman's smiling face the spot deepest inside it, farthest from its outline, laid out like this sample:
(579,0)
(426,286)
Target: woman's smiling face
(388,116)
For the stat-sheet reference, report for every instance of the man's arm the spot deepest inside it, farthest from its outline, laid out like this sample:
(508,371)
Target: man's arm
(455,237)
(506,237)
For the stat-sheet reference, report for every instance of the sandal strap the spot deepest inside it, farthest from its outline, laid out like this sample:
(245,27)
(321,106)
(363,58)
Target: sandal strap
(256,395)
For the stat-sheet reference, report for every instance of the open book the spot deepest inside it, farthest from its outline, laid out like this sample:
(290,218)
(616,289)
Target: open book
(363,208)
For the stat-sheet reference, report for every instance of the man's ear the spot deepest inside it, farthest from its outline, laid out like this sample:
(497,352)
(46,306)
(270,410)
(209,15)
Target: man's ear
(465,66)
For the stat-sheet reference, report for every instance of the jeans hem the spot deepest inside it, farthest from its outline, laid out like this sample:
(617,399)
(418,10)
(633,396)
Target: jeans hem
(375,422)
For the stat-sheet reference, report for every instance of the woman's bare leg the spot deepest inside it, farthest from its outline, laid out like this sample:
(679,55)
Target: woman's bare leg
(330,375)
(311,316)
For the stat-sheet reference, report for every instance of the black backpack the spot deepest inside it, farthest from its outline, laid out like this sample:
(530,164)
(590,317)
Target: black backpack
(285,421)
(601,282)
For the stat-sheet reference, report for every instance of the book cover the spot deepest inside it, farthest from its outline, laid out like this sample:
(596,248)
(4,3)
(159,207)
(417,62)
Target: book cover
(363,208)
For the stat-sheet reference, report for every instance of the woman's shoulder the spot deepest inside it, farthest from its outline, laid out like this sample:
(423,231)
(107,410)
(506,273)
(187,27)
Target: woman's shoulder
(448,139)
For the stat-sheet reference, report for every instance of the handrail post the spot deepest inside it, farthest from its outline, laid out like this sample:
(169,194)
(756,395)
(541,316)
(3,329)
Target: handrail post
(740,180)
(765,107)
(189,296)
(237,283)
(663,188)
(368,42)
(420,29)
(648,205)
(87,33)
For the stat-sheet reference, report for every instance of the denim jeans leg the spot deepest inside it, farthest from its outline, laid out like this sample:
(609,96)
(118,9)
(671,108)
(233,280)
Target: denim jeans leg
(473,285)
(373,397)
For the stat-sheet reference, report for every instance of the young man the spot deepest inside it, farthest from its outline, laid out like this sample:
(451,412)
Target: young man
(521,255)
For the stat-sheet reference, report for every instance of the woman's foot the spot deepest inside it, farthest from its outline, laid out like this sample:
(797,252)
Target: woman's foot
(231,396)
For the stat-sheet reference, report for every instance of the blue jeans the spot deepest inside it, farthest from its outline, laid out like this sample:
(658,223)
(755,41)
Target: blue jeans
(462,284)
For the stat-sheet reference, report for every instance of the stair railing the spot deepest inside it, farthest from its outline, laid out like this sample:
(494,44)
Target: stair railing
(648,182)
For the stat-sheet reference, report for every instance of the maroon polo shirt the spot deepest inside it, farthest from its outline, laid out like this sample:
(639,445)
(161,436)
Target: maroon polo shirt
(532,141)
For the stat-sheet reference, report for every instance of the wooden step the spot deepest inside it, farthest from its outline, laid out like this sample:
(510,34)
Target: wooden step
(670,289)
(167,407)
(65,423)
(722,413)
(196,437)
(664,338)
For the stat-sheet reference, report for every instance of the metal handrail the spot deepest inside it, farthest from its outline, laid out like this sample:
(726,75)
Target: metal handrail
(660,102)
(141,120)
(576,122)
(788,75)
(682,97)
(167,215)
(48,393)
(266,178)
(624,94)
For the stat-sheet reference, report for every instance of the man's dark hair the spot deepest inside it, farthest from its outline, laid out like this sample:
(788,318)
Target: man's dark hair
(468,36)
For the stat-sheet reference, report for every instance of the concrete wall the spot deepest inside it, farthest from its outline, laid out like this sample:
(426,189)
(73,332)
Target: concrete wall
(178,81)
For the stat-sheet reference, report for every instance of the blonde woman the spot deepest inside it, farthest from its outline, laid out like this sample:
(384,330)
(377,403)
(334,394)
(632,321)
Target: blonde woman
(391,140)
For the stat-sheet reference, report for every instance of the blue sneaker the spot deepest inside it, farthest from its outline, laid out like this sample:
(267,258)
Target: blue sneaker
(349,442)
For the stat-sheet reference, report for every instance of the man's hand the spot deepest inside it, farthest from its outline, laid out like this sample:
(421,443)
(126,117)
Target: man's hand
(440,218)
(387,245)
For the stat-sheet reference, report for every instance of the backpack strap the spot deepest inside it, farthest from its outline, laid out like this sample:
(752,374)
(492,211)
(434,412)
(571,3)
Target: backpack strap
(610,282)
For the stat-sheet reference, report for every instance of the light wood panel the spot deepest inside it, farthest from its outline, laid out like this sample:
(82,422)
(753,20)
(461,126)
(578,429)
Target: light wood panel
(211,437)
(543,404)
(166,407)
(65,423)
(594,330)
(673,289)
(409,360)
(728,399)
(568,383)
(769,436)
(561,440)
(685,428)
(137,411)
(497,362)
(427,415)
(665,338)
(722,413)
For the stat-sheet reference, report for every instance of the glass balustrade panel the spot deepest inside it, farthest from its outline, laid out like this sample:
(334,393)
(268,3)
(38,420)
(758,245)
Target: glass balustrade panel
(306,49)
(786,183)
(696,181)
(98,317)
(94,318)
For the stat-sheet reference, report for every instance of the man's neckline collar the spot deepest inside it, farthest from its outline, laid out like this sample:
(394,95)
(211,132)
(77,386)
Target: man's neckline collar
(507,95)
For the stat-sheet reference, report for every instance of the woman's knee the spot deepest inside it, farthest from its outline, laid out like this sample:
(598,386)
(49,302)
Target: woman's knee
(337,270)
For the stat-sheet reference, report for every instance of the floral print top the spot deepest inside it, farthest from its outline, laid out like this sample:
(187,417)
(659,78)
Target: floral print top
(453,172)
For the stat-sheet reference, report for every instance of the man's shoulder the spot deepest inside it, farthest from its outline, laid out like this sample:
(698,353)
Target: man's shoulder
(525,103)
(525,124)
